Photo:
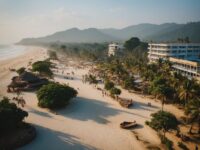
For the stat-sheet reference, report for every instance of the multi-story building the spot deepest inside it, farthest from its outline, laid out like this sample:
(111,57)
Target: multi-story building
(176,50)
(185,57)
(189,68)
(113,49)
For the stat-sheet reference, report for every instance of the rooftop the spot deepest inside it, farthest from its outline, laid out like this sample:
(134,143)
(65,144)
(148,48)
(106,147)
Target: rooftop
(192,61)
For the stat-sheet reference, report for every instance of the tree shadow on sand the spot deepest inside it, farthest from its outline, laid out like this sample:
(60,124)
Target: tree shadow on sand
(40,113)
(143,106)
(48,139)
(91,109)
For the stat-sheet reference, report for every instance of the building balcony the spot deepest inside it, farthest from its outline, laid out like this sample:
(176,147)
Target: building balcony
(185,69)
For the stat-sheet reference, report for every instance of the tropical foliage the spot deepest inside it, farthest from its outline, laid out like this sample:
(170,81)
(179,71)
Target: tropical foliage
(160,88)
(91,79)
(167,143)
(43,68)
(115,91)
(85,51)
(129,83)
(10,115)
(187,90)
(163,121)
(193,112)
(132,43)
(108,85)
(20,70)
(54,95)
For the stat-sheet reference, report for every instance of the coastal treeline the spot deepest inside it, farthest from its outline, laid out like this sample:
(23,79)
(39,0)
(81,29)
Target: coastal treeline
(85,51)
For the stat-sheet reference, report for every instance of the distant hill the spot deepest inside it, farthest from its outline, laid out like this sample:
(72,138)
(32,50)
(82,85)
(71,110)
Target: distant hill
(143,31)
(73,35)
(146,32)
(192,30)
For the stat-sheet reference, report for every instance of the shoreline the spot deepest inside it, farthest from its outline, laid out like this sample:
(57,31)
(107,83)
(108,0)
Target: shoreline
(31,54)
(12,51)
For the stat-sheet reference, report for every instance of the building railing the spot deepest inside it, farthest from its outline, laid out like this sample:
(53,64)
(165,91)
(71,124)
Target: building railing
(185,69)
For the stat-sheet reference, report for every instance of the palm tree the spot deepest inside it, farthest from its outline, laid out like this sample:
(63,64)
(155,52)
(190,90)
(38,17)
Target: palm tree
(187,90)
(161,93)
(166,68)
(160,62)
(163,98)
(193,110)
(176,80)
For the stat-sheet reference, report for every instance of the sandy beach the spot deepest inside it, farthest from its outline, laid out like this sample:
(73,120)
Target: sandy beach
(90,121)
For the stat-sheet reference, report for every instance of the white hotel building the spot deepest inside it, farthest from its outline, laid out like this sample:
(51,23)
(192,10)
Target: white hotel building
(114,48)
(177,50)
(184,56)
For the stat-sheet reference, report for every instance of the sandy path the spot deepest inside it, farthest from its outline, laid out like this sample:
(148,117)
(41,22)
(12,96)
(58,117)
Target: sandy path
(91,121)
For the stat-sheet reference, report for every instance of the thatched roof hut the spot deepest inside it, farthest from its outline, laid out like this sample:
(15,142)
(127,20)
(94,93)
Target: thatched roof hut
(28,77)
(26,81)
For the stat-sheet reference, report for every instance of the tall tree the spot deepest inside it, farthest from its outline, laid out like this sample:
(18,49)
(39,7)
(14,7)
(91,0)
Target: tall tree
(187,90)
(193,110)
(161,89)
(163,121)
(132,43)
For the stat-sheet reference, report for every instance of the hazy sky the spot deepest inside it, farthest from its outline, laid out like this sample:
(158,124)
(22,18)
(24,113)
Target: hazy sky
(33,18)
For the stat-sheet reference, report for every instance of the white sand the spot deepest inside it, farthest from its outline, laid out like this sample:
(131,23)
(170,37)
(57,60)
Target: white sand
(90,121)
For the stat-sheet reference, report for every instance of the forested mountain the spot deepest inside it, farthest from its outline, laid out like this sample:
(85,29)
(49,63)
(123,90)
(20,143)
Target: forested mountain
(146,32)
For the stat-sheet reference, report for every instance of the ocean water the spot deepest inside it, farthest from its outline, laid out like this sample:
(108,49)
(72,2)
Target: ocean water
(11,51)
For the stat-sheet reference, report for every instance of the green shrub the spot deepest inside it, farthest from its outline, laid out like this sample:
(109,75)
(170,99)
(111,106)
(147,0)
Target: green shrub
(182,146)
(43,67)
(20,70)
(108,85)
(115,91)
(129,83)
(54,95)
(91,79)
(162,120)
(10,115)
